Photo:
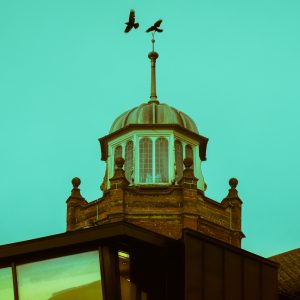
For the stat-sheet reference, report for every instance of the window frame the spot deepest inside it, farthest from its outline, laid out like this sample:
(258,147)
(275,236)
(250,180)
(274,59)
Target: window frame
(171,136)
(131,173)
(135,137)
(112,145)
(196,158)
(108,266)
(153,137)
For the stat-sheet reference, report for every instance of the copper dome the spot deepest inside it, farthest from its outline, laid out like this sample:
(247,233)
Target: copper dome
(154,113)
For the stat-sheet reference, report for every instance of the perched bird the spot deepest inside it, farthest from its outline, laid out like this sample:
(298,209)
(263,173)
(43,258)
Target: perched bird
(155,27)
(131,22)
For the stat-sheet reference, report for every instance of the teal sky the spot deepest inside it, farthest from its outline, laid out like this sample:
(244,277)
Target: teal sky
(67,71)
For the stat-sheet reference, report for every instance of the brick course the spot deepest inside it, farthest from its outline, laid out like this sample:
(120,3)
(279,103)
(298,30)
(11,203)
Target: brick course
(163,209)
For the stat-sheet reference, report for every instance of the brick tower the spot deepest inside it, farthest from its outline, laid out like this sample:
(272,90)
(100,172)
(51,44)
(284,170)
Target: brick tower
(153,177)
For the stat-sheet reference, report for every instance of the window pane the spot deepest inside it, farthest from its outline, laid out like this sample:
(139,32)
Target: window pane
(129,289)
(161,160)
(6,284)
(129,161)
(118,153)
(64,278)
(146,160)
(178,160)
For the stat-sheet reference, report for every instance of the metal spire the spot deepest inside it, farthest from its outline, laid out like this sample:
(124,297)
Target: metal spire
(153,56)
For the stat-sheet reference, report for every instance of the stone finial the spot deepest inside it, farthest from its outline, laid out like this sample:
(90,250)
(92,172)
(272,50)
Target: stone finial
(188,178)
(119,178)
(74,203)
(188,162)
(119,161)
(75,193)
(233,182)
(232,192)
(76,182)
(234,203)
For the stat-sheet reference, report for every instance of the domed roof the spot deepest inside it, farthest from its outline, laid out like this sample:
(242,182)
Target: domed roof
(154,113)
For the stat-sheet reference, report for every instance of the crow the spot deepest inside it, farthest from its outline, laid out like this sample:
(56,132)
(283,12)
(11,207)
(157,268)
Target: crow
(131,22)
(155,27)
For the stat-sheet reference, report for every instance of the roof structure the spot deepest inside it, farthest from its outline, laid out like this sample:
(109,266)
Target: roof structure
(194,267)
(154,113)
(289,273)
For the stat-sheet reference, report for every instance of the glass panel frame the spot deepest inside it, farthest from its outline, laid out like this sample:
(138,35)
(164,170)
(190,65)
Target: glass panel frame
(81,279)
(129,161)
(146,160)
(161,160)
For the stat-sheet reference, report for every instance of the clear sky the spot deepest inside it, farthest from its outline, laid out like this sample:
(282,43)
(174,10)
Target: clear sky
(67,71)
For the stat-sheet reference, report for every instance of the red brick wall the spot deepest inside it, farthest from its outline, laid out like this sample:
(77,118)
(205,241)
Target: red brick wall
(165,210)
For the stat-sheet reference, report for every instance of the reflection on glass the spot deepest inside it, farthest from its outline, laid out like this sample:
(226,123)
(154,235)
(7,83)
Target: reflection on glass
(129,161)
(129,290)
(146,160)
(65,278)
(161,160)
(6,284)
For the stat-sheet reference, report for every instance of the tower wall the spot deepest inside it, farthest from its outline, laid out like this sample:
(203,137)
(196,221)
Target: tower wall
(163,209)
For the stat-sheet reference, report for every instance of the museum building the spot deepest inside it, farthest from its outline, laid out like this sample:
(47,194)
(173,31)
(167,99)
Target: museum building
(154,234)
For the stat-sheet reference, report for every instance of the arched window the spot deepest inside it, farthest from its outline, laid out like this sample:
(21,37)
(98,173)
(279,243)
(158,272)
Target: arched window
(118,153)
(189,153)
(146,167)
(161,160)
(178,160)
(129,161)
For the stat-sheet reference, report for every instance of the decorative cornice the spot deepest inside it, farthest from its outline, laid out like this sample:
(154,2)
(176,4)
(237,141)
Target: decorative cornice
(201,139)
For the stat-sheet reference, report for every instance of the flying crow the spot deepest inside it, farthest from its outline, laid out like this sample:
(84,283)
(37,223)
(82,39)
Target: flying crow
(131,22)
(155,27)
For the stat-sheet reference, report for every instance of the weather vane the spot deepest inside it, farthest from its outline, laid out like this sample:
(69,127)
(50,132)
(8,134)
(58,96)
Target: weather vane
(132,24)
(154,28)
(152,55)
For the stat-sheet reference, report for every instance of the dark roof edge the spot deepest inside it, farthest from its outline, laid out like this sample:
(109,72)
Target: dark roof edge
(82,236)
(212,240)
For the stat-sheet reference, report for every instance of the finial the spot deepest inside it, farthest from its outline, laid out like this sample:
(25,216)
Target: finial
(153,56)
(188,162)
(75,193)
(232,192)
(233,182)
(119,162)
(188,178)
(153,97)
(76,182)
(119,179)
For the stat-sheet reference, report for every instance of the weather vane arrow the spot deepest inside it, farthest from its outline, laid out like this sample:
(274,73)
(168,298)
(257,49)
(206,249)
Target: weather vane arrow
(155,28)
(152,55)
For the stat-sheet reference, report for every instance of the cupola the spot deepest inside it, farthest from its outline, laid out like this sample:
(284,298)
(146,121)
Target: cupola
(154,139)
(153,177)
